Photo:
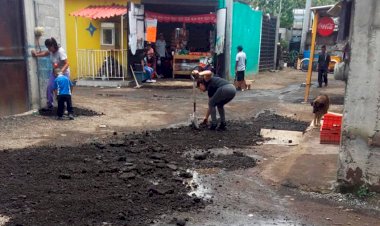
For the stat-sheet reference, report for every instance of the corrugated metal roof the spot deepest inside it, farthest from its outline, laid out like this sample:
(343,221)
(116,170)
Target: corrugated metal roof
(100,12)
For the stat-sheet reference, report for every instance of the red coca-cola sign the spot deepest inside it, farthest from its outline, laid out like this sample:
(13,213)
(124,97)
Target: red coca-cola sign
(326,26)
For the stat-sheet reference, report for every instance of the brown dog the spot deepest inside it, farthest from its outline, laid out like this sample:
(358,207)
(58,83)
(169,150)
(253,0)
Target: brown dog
(244,85)
(320,105)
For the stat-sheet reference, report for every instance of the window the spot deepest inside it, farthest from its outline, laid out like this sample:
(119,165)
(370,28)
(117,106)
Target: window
(108,34)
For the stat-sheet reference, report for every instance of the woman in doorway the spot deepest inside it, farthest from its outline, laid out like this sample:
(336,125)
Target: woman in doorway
(59,60)
(147,63)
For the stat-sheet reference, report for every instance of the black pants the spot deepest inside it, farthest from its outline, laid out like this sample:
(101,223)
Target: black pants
(322,75)
(161,67)
(222,96)
(240,76)
(62,99)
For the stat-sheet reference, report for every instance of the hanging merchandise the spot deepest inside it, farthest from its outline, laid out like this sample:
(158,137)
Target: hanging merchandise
(191,19)
(151,30)
(220,31)
(132,40)
(140,33)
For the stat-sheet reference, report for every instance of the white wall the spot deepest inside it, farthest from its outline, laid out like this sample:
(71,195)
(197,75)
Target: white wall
(49,14)
(360,151)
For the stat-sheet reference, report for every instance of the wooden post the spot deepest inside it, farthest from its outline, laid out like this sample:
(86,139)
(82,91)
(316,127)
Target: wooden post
(122,44)
(312,50)
(76,45)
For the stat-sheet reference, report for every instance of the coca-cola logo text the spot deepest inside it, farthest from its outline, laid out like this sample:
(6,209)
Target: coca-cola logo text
(326,26)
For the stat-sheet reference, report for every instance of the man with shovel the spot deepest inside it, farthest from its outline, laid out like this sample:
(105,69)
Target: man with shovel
(220,92)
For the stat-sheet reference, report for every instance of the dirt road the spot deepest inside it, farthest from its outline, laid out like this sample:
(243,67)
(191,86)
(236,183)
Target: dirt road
(96,171)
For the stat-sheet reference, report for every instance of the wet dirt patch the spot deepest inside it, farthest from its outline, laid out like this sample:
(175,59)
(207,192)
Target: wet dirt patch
(124,180)
(235,161)
(273,121)
(164,87)
(77,112)
(334,100)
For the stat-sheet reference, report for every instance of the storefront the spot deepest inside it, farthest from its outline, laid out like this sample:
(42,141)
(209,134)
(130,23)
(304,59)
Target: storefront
(187,29)
(189,39)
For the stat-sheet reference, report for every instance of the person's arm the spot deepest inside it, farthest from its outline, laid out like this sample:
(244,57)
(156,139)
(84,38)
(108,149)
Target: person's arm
(236,63)
(71,86)
(207,114)
(142,65)
(206,74)
(205,120)
(40,54)
(65,66)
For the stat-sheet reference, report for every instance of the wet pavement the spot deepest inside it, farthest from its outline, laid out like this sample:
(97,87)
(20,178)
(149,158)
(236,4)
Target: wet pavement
(271,193)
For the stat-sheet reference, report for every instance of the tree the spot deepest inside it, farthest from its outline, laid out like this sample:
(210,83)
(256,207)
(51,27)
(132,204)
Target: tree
(273,6)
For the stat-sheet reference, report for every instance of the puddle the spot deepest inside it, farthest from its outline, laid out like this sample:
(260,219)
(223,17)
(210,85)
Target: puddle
(77,112)
(198,188)
(111,95)
(153,96)
(334,100)
(4,220)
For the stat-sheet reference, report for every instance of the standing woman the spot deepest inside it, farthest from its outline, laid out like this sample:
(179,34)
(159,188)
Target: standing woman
(220,92)
(59,60)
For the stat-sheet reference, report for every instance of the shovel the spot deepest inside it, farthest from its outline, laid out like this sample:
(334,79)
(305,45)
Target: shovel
(193,116)
(134,76)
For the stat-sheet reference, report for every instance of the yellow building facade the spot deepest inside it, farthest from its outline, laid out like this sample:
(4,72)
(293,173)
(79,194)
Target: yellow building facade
(89,32)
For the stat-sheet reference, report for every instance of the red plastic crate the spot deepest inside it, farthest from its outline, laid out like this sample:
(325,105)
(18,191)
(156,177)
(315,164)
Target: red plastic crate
(330,138)
(331,128)
(332,121)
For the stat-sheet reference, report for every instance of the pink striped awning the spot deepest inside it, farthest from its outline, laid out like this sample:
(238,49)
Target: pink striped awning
(101,12)
(191,19)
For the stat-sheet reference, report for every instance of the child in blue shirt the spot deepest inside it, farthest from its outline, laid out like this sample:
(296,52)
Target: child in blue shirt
(62,88)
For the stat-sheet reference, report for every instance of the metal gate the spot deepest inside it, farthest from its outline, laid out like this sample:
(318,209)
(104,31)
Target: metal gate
(268,39)
(13,77)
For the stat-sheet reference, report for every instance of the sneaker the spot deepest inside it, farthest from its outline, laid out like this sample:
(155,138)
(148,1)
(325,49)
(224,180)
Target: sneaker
(212,127)
(59,118)
(222,127)
(150,81)
(71,116)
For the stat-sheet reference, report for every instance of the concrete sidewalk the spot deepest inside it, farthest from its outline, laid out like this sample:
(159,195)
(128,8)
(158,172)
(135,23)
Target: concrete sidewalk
(309,166)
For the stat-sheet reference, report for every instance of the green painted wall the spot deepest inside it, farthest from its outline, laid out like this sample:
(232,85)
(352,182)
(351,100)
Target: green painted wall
(246,31)
(221,4)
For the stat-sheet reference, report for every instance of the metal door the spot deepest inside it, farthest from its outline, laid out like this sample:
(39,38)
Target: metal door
(13,77)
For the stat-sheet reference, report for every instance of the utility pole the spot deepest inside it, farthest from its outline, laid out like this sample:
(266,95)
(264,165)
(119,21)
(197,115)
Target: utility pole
(305,25)
(229,4)
(276,38)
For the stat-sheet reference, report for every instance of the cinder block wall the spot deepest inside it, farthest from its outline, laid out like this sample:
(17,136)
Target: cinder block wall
(49,14)
(359,160)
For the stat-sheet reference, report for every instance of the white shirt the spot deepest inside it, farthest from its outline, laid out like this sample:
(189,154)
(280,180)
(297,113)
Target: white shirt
(160,47)
(59,57)
(240,60)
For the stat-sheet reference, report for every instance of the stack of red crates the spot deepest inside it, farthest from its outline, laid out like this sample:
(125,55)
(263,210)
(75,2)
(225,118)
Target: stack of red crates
(330,128)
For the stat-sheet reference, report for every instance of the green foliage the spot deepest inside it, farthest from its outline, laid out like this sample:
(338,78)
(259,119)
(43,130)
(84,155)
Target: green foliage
(284,45)
(363,192)
(273,7)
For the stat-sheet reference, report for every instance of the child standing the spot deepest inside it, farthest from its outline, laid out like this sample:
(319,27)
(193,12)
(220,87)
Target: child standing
(62,88)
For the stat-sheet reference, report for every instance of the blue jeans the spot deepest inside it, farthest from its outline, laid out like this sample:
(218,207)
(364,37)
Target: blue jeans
(49,90)
(148,73)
